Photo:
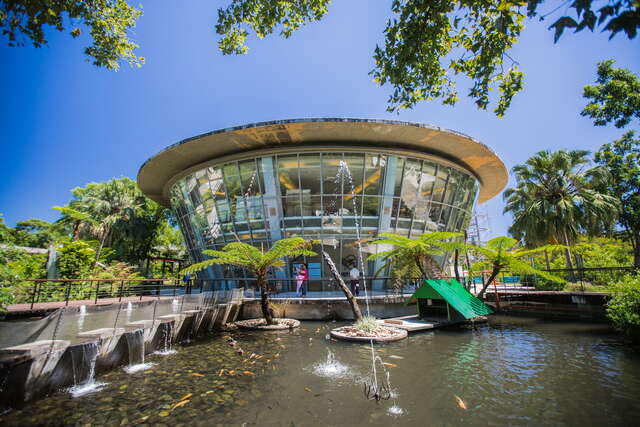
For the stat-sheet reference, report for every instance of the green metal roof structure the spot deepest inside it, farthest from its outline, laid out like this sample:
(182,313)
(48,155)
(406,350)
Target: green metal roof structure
(455,294)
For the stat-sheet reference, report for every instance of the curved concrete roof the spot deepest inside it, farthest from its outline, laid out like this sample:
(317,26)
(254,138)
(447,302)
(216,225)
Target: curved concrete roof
(157,175)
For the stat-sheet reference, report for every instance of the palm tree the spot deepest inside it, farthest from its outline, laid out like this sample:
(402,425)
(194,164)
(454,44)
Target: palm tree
(556,198)
(503,253)
(256,262)
(99,207)
(412,258)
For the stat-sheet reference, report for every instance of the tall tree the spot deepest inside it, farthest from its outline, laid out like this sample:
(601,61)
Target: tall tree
(118,215)
(614,98)
(429,42)
(622,159)
(101,206)
(257,262)
(38,233)
(504,254)
(109,22)
(556,197)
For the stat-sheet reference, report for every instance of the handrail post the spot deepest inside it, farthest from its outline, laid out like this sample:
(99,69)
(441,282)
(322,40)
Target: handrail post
(97,291)
(121,289)
(35,292)
(68,293)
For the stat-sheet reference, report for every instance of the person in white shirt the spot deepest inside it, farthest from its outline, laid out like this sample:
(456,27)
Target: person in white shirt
(354,275)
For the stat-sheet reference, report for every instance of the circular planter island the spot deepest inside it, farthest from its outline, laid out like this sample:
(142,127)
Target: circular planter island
(261,325)
(381,334)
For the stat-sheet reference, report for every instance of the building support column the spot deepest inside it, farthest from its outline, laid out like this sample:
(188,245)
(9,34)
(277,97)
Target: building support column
(272,206)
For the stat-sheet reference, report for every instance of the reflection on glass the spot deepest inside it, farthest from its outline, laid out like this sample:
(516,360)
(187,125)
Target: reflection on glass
(288,174)
(313,198)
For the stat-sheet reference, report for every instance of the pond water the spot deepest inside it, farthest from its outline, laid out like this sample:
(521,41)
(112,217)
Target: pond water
(512,371)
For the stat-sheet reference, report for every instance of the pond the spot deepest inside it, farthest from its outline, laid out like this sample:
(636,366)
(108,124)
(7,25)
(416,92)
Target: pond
(513,371)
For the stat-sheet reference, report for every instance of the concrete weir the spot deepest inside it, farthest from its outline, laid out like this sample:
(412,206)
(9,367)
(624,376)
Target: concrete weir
(338,308)
(34,369)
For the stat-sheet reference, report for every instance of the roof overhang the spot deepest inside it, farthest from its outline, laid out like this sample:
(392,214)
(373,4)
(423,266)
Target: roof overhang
(158,174)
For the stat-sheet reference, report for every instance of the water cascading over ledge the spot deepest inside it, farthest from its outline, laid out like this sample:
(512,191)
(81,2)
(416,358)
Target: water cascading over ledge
(72,345)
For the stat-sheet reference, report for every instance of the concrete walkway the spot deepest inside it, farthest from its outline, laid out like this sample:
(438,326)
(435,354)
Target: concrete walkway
(47,306)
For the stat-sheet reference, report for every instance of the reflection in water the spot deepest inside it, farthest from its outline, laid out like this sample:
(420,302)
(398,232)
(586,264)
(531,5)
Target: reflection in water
(510,372)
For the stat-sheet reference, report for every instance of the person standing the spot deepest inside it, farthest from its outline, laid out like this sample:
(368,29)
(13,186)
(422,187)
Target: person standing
(301,277)
(305,280)
(354,275)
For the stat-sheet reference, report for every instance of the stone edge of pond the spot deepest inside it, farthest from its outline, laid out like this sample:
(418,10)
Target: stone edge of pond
(247,325)
(337,334)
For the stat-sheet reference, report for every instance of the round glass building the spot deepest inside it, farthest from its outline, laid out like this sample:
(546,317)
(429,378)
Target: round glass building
(331,180)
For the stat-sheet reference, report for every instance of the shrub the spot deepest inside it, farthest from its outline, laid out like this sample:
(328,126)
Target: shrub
(541,284)
(624,306)
(6,297)
(368,324)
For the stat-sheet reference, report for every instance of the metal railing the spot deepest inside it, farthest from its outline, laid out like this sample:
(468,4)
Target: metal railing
(35,291)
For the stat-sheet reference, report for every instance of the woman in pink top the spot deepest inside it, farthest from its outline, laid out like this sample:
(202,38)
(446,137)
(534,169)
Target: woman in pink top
(301,278)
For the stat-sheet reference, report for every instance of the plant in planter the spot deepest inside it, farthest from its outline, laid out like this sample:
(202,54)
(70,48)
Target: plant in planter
(256,261)
(367,324)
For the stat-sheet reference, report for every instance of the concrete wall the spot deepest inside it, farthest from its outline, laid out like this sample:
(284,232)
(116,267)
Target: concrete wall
(330,309)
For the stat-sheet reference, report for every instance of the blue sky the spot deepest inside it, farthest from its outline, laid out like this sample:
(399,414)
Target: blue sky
(65,123)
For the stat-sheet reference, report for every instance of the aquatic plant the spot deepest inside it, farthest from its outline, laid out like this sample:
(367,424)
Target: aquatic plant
(367,324)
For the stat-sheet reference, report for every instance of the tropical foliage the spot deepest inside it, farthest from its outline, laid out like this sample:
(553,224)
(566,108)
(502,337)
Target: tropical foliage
(118,215)
(110,23)
(614,98)
(429,43)
(414,258)
(505,254)
(624,306)
(106,231)
(256,262)
(557,197)
(622,159)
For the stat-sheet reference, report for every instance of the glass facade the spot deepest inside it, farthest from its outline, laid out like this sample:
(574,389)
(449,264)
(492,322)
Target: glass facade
(330,196)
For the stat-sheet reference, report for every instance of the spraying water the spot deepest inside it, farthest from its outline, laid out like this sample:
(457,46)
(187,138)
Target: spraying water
(82,313)
(331,368)
(374,389)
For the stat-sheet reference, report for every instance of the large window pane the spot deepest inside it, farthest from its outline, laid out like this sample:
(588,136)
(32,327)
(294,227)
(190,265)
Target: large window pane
(355,166)
(440,184)
(371,206)
(291,206)
(331,180)
(288,175)
(310,177)
(249,178)
(399,171)
(374,172)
